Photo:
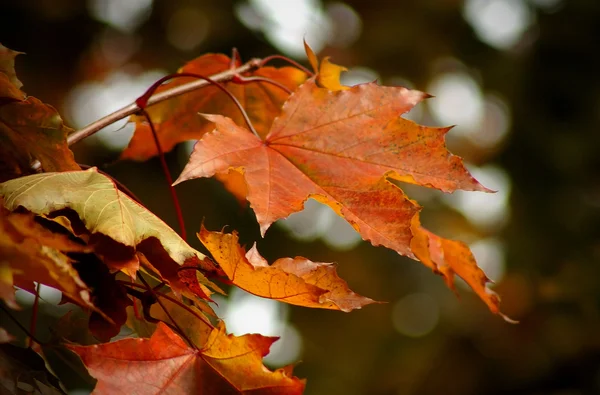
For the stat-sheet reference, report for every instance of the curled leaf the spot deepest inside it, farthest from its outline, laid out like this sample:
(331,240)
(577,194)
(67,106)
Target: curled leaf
(297,281)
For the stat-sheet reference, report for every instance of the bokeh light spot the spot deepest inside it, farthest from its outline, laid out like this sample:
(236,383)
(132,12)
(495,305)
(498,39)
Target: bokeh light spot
(458,100)
(415,315)
(287,23)
(488,211)
(489,254)
(245,313)
(125,15)
(90,101)
(498,23)
(187,28)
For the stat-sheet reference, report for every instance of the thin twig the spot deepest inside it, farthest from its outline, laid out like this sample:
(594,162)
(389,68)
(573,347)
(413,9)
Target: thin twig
(34,314)
(290,61)
(238,79)
(21,326)
(132,108)
(167,173)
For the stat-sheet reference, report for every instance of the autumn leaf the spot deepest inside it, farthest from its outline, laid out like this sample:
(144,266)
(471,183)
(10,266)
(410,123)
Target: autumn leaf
(29,129)
(105,210)
(297,281)
(165,364)
(343,149)
(177,119)
(450,258)
(30,253)
(328,74)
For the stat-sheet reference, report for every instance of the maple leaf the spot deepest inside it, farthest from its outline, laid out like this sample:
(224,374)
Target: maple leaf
(29,129)
(343,149)
(107,211)
(177,119)
(297,281)
(30,253)
(165,364)
(451,257)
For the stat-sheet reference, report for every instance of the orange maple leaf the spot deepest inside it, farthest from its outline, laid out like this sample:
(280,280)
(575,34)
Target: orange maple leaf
(165,364)
(177,119)
(342,148)
(296,281)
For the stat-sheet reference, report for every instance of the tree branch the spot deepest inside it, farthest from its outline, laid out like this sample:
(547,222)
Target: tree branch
(132,108)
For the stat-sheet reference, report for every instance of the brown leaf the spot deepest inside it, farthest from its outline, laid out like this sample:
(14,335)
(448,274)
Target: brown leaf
(177,119)
(165,364)
(297,281)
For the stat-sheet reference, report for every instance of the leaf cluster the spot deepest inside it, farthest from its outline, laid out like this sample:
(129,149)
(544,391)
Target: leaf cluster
(276,137)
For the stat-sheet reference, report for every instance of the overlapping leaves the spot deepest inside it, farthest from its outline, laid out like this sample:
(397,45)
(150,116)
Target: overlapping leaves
(165,364)
(343,148)
(75,230)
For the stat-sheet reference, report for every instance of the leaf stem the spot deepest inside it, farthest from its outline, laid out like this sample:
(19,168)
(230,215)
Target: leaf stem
(144,99)
(34,314)
(167,173)
(238,79)
(21,326)
(159,97)
(132,108)
(290,61)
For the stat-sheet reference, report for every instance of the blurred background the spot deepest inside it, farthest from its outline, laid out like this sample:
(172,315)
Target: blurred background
(518,77)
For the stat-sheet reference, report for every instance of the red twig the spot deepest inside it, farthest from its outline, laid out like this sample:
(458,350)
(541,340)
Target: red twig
(34,314)
(290,61)
(21,326)
(239,79)
(165,168)
(143,100)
